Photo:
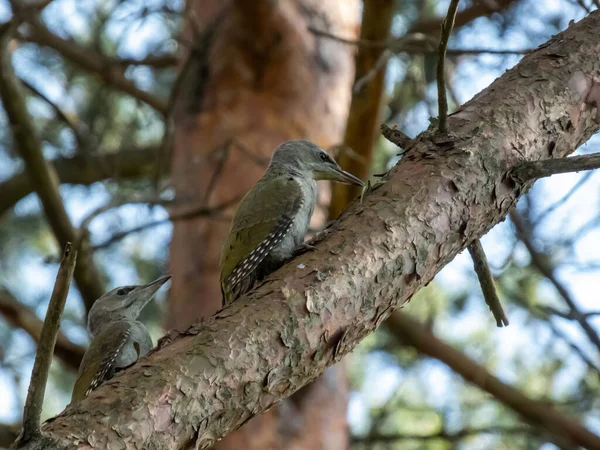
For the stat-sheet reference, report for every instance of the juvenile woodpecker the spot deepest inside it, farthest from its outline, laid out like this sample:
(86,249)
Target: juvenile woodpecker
(273,217)
(118,338)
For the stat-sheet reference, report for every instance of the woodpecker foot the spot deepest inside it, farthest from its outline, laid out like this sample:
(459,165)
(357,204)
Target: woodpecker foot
(303,248)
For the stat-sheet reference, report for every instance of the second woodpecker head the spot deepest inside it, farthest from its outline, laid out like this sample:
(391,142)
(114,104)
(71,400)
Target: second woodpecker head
(122,303)
(310,159)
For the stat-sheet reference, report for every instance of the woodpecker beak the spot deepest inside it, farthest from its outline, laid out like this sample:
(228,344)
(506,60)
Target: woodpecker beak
(347,178)
(338,175)
(150,289)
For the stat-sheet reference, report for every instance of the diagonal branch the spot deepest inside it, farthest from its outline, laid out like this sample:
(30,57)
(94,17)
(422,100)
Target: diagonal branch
(43,358)
(466,16)
(410,332)
(86,169)
(542,264)
(547,167)
(447,26)
(41,173)
(480,262)
(92,62)
(20,316)
(209,380)
(79,129)
(486,280)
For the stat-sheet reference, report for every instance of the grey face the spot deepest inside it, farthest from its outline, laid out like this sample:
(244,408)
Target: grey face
(305,156)
(124,302)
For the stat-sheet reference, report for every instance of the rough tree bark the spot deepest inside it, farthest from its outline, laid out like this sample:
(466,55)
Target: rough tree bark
(446,192)
(257,77)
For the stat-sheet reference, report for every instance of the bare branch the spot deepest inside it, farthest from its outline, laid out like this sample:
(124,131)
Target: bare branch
(447,26)
(92,62)
(563,200)
(414,44)
(542,264)
(20,316)
(480,262)
(85,168)
(213,212)
(155,61)
(486,280)
(395,136)
(79,129)
(478,9)
(445,435)
(537,413)
(41,173)
(547,167)
(43,357)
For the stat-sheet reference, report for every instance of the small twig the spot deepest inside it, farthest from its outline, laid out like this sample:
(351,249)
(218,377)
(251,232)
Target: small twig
(21,316)
(395,136)
(183,215)
(566,315)
(563,200)
(43,358)
(548,167)
(486,280)
(447,26)
(222,155)
(78,128)
(541,263)
(412,46)
(379,65)
(540,313)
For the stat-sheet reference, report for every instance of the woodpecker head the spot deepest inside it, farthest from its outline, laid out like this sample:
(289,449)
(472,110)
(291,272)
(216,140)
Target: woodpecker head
(122,303)
(306,158)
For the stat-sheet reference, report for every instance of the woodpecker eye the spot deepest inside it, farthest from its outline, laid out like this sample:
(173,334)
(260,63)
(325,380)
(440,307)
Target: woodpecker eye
(325,157)
(124,291)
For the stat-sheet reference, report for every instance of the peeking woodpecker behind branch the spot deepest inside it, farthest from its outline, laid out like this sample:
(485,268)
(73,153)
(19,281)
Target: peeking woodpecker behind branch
(273,217)
(118,338)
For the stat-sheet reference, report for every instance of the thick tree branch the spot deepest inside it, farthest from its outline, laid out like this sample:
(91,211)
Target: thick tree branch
(86,169)
(548,167)
(43,358)
(206,382)
(41,173)
(21,316)
(93,62)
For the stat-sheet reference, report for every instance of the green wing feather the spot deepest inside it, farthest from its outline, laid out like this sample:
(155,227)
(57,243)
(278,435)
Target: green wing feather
(98,363)
(260,213)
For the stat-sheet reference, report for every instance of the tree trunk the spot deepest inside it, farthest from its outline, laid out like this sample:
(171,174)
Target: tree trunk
(257,77)
(447,191)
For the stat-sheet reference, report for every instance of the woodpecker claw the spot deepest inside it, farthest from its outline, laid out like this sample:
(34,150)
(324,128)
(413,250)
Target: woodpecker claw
(303,248)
